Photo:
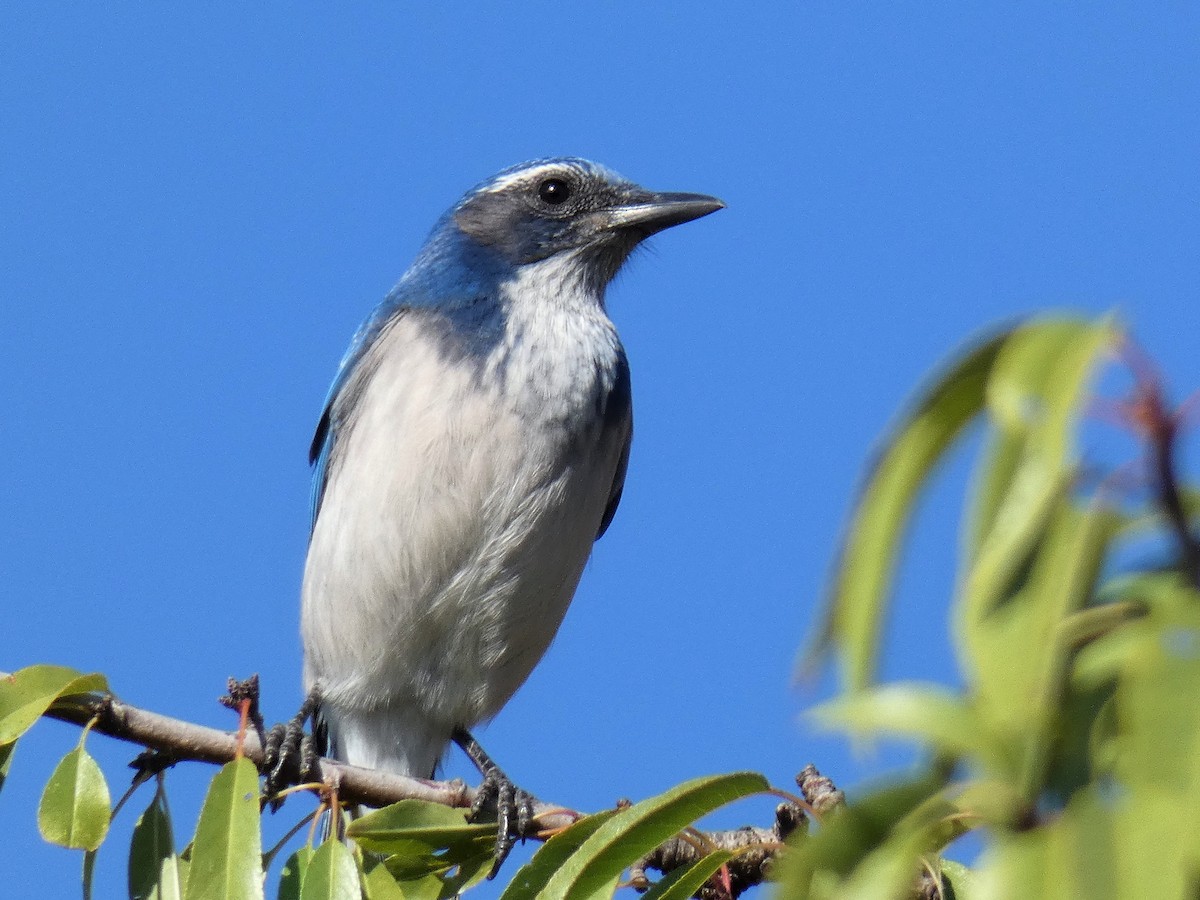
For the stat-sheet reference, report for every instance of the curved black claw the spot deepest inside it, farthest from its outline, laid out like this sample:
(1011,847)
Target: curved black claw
(289,755)
(512,805)
(514,813)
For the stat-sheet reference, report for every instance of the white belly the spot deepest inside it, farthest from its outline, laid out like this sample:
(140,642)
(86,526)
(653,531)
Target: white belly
(452,534)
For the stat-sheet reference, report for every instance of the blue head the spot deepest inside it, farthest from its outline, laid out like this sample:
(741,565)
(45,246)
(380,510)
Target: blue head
(540,209)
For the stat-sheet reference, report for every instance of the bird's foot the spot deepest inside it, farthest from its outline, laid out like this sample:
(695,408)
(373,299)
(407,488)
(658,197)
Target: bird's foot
(514,812)
(290,756)
(513,806)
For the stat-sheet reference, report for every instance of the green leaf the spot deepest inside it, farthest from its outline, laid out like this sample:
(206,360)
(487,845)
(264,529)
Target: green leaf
(886,873)
(1003,653)
(1065,589)
(1018,656)
(28,693)
(410,824)
(927,712)
(429,888)
(1027,516)
(331,874)
(1153,842)
(416,863)
(1011,653)
(380,881)
(1035,392)
(431,849)
(74,810)
(906,815)
(469,870)
(1020,862)
(1164,593)
(452,871)
(1089,834)
(377,882)
(6,755)
(153,865)
(1154,662)
(634,832)
(964,882)
(534,875)
(867,557)
(291,876)
(1033,556)
(1158,723)
(185,866)
(687,880)
(227,851)
(1093,848)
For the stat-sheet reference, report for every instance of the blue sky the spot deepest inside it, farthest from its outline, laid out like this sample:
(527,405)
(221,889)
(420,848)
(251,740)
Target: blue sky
(198,205)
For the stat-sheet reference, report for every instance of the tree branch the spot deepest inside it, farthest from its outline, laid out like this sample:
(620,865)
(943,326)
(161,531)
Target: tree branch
(755,849)
(178,741)
(1163,443)
(1149,413)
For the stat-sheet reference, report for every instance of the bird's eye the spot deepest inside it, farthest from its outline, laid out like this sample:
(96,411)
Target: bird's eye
(554,191)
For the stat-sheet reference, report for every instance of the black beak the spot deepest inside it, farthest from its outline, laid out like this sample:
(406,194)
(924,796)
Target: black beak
(650,212)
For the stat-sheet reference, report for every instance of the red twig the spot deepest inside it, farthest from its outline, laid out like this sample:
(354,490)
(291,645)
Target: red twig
(1147,413)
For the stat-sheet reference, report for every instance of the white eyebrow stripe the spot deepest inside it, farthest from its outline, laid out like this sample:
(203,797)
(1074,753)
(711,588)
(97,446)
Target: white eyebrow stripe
(525,175)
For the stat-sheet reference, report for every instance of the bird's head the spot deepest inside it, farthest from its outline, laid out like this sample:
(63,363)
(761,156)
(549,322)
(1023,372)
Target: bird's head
(540,209)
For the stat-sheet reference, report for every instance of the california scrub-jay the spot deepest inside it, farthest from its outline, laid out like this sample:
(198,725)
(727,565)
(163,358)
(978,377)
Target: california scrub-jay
(472,447)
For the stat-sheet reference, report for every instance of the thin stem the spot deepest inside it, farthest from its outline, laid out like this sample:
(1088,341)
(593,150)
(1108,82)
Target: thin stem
(270,855)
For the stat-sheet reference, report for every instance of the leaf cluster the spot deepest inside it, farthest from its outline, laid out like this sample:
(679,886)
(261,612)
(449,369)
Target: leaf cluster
(1075,746)
(411,850)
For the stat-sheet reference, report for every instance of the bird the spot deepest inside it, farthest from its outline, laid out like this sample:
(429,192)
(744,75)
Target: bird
(472,448)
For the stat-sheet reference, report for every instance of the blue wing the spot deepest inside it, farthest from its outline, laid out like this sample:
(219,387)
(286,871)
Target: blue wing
(618,408)
(323,440)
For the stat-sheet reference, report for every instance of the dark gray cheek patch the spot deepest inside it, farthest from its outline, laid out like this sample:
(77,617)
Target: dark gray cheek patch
(491,219)
(507,225)
(503,223)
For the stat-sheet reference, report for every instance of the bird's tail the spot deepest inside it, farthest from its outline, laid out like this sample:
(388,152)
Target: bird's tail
(387,738)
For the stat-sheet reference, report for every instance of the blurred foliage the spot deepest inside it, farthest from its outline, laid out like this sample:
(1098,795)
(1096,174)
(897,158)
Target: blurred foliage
(1074,747)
